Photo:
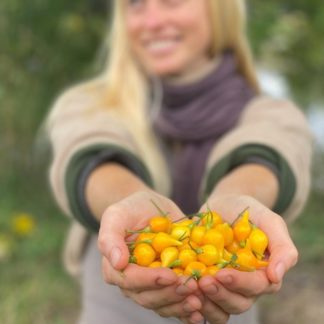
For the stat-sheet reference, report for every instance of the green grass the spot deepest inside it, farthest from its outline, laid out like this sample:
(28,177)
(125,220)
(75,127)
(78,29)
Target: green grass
(34,286)
(37,291)
(45,46)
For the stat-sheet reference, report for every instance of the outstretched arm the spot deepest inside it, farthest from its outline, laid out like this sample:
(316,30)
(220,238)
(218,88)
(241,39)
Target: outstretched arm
(129,207)
(232,291)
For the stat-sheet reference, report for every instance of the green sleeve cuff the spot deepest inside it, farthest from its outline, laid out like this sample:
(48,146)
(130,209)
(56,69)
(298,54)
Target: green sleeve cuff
(241,155)
(83,163)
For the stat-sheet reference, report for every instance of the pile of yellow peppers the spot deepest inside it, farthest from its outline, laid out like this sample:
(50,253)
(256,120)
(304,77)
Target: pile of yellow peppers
(201,245)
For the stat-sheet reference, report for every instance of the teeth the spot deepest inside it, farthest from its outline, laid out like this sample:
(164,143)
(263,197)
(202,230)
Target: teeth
(160,45)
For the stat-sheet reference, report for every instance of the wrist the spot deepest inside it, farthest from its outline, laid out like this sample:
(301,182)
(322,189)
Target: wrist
(251,180)
(109,184)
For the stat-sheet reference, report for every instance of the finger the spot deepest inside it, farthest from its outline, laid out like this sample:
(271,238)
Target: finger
(213,313)
(283,253)
(160,297)
(155,299)
(195,318)
(184,309)
(247,284)
(138,278)
(111,238)
(228,301)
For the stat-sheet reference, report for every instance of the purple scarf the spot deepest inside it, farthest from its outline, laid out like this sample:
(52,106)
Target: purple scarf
(195,116)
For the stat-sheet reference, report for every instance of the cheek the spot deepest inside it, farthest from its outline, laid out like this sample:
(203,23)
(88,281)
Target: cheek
(132,29)
(205,37)
(197,30)
(135,45)
(199,42)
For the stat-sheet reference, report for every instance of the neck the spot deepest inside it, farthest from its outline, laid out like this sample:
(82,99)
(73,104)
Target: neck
(194,74)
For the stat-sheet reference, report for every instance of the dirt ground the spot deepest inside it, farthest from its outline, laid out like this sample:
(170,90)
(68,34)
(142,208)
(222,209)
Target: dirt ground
(300,300)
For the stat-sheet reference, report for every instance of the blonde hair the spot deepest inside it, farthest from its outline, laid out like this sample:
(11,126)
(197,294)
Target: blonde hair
(127,84)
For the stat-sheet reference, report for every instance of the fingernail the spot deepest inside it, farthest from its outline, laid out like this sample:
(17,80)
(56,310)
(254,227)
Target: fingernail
(280,270)
(198,319)
(187,308)
(182,290)
(226,279)
(211,289)
(164,281)
(115,256)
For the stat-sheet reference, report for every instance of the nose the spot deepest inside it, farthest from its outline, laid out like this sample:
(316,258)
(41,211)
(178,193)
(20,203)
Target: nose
(154,15)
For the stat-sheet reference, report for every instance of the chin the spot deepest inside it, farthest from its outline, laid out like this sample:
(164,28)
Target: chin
(164,70)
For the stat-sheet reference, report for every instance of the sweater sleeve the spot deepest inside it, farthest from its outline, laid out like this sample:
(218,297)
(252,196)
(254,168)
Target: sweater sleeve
(83,134)
(80,167)
(275,131)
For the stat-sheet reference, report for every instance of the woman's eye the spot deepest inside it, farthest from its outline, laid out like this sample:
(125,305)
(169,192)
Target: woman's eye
(135,3)
(174,2)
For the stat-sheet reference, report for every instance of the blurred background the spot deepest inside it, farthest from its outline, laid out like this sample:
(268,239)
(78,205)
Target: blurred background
(46,46)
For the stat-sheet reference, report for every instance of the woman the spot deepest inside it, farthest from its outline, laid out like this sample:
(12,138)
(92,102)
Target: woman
(177,117)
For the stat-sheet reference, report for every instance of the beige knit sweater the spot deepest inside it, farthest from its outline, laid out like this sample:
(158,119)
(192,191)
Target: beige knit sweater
(79,119)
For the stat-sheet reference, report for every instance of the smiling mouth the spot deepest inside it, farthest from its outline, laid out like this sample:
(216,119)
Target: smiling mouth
(162,47)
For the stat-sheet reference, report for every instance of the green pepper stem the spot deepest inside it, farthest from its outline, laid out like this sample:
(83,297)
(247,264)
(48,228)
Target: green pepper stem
(239,215)
(195,274)
(175,263)
(144,230)
(180,219)
(163,213)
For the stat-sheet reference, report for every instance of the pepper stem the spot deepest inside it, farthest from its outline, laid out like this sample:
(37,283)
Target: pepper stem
(163,213)
(175,263)
(239,215)
(195,274)
(144,230)
(132,259)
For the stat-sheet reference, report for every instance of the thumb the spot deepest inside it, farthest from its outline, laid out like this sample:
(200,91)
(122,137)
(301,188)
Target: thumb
(111,241)
(283,253)
(281,260)
(118,257)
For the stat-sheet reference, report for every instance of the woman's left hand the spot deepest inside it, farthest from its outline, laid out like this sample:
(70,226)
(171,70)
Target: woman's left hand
(235,291)
(232,292)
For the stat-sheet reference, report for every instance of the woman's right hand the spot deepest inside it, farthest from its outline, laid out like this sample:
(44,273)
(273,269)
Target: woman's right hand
(159,289)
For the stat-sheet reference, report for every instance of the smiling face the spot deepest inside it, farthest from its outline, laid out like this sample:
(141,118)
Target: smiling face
(169,37)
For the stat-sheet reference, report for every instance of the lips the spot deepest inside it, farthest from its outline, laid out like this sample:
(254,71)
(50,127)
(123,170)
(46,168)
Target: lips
(162,46)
